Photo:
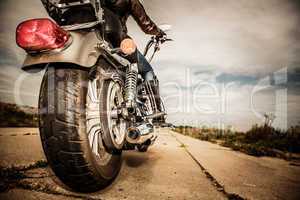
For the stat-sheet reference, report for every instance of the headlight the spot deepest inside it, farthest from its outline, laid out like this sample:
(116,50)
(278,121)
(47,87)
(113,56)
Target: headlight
(128,46)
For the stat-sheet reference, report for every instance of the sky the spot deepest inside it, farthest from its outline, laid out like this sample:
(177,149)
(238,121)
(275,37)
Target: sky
(230,61)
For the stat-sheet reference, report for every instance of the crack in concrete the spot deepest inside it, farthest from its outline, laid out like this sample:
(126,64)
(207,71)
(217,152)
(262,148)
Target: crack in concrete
(48,189)
(15,177)
(37,164)
(213,180)
(12,175)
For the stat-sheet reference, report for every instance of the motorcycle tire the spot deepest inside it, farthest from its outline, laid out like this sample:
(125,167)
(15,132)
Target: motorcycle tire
(64,135)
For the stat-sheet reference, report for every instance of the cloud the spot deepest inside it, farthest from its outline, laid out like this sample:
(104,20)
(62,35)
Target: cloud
(217,45)
(241,79)
(244,37)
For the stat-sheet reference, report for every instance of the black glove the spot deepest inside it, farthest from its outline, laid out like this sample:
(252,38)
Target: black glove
(161,34)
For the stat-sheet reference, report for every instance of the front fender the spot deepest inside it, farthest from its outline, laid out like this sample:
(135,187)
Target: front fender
(82,51)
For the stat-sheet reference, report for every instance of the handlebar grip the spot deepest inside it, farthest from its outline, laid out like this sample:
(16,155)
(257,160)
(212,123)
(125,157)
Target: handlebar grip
(163,40)
(169,40)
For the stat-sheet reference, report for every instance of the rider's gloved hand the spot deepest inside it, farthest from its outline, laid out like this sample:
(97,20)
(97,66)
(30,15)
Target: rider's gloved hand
(161,36)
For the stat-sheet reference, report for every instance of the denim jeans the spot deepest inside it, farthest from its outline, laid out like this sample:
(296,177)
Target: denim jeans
(145,68)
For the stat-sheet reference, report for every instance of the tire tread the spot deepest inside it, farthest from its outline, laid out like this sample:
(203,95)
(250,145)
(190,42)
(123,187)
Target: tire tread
(63,144)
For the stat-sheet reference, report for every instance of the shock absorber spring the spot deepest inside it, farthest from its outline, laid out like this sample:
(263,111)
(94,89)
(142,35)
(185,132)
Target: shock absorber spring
(131,85)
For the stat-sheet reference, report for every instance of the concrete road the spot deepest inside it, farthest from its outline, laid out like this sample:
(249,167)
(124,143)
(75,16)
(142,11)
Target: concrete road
(176,167)
(166,171)
(248,176)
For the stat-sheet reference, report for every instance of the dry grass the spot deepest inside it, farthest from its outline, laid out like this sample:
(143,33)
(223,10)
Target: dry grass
(258,141)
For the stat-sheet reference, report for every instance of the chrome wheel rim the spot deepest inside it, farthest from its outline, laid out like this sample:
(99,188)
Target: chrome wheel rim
(94,130)
(117,125)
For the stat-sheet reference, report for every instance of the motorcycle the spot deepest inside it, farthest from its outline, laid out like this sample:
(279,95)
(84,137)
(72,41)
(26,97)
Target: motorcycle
(93,104)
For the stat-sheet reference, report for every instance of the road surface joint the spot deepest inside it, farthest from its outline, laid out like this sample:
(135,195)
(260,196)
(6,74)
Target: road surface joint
(213,180)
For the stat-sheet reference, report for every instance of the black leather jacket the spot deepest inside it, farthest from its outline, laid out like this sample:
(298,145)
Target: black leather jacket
(125,8)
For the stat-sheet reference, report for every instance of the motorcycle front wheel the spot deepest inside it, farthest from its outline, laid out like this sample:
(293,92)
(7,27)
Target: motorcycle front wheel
(70,112)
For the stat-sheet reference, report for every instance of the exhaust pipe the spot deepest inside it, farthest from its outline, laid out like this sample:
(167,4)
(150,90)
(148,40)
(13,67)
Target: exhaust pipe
(156,115)
(140,134)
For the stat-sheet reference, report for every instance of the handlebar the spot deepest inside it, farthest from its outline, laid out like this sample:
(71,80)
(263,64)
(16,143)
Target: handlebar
(156,41)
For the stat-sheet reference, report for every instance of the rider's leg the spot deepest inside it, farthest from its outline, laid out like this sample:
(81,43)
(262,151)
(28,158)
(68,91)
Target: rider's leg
(145,68)
(148,75)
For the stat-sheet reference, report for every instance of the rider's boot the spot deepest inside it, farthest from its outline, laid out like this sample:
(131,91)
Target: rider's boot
(154,84)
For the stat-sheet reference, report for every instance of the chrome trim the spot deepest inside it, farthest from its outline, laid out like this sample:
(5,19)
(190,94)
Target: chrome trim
(156,115)
(93,126)
(81,26)
(67,5)
(95,3)
(131,85)
(117,125)
(141,134)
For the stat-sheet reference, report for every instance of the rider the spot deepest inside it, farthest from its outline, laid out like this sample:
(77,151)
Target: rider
(123,9)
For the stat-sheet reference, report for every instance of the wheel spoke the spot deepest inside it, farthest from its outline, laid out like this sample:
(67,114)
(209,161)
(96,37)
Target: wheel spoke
(116,100)
(114,114)
(95,149)
(90,117)
(90,136)
(116,131)
(101,149)
(93,90)
(95,126)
